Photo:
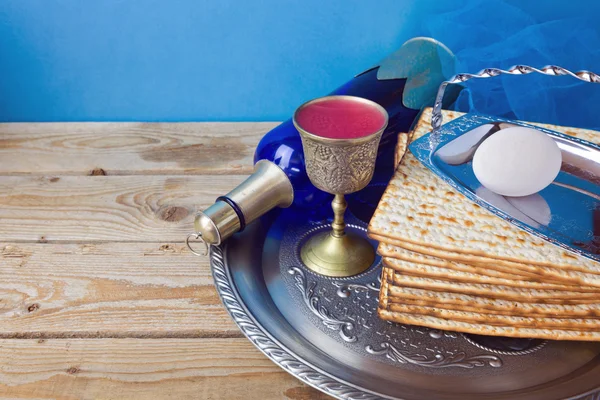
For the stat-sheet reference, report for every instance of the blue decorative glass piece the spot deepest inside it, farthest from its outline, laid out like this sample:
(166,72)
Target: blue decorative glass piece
(424,62)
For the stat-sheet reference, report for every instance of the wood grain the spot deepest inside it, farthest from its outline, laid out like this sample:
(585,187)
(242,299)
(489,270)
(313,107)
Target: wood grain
(108,290)
(129,148)
(99,299)
(143,369)
(105,208)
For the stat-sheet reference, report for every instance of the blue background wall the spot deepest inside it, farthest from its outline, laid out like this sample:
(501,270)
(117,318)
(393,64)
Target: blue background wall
(186,60)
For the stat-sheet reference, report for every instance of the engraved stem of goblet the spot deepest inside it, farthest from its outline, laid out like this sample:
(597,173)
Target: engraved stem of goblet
(339,206)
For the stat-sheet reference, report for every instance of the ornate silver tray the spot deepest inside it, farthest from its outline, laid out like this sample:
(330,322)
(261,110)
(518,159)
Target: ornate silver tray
(326,331)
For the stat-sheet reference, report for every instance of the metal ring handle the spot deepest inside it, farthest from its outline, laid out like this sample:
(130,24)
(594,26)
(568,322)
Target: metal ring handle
(196,236)
(552,70)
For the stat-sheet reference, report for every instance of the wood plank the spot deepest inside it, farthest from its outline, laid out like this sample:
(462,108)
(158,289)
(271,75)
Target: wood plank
(129,148)
(105,208)
(143,369)
(108,290)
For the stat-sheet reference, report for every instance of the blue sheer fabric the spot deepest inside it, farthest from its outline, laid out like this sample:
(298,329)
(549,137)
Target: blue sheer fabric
(500,34)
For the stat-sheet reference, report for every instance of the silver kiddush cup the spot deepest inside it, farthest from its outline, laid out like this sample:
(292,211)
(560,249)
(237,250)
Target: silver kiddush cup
(339,166)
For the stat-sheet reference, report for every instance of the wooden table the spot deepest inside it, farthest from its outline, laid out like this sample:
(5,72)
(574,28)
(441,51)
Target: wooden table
(99,297)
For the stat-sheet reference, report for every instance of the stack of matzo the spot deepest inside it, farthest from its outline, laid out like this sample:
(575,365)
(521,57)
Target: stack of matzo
(449,264)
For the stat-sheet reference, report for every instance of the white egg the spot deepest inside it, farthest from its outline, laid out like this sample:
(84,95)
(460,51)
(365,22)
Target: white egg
(517,161)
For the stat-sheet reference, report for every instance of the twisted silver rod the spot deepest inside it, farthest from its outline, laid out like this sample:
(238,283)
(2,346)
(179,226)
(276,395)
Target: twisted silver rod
(552,70)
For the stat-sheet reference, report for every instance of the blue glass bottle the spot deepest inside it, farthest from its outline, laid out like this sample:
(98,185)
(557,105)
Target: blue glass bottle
(403,83)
